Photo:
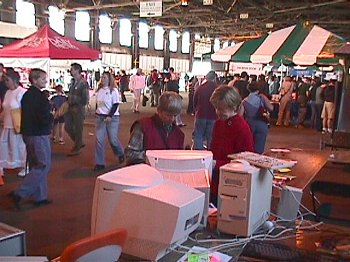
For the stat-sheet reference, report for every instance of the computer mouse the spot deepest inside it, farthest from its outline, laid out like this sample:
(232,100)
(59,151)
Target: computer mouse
(268,225)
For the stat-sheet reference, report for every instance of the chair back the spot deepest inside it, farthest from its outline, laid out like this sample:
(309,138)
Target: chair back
(105,247)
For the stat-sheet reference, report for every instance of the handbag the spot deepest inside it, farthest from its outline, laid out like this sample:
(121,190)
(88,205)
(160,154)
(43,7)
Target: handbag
(62,110)
(144,100)
(263,114)
(16,119)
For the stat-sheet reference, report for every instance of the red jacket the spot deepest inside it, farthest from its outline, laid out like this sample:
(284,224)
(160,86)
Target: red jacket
(155,135)
(229,136)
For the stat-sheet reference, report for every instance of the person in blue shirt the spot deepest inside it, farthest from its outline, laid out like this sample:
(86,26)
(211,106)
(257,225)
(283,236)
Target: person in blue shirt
(58,124)
(252,104)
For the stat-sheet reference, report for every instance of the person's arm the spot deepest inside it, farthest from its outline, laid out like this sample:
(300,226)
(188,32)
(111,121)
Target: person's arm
(44,111)
(267,102)
(195,99)
(135,152)
(115,101)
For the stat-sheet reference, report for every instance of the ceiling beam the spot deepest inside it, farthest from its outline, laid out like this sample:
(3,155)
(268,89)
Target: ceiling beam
(309,6)
(99,7)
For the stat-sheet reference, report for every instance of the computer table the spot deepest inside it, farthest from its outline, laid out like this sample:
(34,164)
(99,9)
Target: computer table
(309,163)
(318,241)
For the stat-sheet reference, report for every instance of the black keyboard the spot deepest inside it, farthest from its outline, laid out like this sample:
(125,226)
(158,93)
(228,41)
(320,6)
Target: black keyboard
(277,252)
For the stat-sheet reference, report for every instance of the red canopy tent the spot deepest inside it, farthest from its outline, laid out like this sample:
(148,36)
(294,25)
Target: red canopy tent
(46,43)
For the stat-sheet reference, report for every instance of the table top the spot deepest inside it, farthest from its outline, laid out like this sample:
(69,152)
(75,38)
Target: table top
(340,156)
(302,235)
(309,163)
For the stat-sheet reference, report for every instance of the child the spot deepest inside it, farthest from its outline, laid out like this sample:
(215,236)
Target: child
(58,125)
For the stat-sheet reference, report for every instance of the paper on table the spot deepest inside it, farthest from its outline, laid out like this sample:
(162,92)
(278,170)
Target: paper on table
(213,257)
(279,150)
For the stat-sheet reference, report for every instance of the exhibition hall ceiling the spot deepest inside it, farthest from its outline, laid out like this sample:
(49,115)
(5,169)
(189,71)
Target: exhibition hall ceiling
(233,19)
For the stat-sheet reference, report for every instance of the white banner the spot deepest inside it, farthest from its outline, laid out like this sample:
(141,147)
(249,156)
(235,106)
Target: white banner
(250,68)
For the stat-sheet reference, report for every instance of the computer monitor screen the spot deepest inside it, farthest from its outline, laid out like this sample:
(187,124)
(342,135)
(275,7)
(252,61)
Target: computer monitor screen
(192,168)
(157,212)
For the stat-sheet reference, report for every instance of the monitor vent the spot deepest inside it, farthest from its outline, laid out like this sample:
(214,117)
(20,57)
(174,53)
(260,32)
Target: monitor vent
(145,249)
(180,165)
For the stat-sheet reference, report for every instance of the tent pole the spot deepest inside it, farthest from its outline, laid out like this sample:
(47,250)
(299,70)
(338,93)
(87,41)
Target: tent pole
(281,72)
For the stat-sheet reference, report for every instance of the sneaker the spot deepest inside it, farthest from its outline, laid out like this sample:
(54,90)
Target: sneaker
(16,199)
(42,203)
(61,142)
(22,173)
(99,167)
(55,141)
(121,159)
(330,130)
(74,152)
(324,131)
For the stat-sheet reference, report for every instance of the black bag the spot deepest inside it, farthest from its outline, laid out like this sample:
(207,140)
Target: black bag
(263,114)
(144,100)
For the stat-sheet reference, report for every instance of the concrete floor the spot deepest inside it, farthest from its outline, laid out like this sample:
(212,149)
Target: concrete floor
(49,229)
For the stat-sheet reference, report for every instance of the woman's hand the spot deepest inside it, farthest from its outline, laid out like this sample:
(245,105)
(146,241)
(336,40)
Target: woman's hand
(108,119)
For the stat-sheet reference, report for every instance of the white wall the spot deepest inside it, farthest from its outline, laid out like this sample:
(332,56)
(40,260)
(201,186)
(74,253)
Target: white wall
(180,65)
(13,30)
(147,63)
(122,61)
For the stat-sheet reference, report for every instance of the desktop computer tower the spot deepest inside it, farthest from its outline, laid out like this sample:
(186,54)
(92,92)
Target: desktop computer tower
(244,198)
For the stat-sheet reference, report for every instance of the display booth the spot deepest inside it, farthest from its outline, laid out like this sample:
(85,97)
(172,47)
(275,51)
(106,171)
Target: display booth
(302,44)
(48,50)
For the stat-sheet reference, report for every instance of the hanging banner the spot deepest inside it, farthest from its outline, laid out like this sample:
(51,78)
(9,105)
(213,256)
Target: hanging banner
(202,46)
(250,68)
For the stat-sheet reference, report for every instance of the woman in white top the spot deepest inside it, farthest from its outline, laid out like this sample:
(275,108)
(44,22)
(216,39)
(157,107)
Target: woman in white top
(136,84)
(12,147)
(107,120)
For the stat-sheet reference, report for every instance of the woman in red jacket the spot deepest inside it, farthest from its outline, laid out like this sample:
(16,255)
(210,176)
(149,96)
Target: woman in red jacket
(231,133)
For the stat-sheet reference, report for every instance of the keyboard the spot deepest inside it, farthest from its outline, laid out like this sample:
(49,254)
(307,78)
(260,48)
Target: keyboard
(276,252)
(263,161)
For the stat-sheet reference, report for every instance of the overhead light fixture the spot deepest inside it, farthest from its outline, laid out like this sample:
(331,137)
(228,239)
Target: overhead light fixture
(184,2)
(243,16)
(207,2)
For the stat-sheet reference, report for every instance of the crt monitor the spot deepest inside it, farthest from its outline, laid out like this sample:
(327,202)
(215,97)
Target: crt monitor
(192,168)
(157,213)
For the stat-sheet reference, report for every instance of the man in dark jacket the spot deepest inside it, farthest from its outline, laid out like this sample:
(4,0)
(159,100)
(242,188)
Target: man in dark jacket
(205,115)
(36,126)
(242,84)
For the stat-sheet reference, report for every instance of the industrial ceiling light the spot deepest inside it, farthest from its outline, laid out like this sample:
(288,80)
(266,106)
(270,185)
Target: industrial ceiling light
(184,2)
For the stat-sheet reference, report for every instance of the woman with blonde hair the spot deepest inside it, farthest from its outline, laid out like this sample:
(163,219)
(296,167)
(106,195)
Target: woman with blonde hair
(107,120)
(12,149)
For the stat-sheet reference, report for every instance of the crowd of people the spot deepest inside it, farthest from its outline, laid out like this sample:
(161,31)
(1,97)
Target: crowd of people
(228,118)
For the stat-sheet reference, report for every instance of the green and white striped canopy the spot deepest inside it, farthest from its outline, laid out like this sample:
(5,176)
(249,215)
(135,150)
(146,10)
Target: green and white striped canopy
(298,44)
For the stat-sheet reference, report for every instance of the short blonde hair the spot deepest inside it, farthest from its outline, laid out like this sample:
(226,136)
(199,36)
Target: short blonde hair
(226,95)
(170,102)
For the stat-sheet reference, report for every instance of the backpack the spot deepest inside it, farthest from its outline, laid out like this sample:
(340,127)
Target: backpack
(149,81)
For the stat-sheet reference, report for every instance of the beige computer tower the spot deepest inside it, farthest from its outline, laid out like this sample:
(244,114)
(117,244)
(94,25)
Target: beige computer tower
(244,198)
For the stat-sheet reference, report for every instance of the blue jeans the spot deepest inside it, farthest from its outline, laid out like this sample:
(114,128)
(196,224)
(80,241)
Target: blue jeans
(111,129)
(39,160)
(203,129)
(313,119)
(259,131)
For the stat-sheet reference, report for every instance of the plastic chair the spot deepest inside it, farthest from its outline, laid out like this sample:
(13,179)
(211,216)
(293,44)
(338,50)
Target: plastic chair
(105,247)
